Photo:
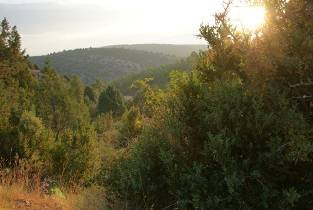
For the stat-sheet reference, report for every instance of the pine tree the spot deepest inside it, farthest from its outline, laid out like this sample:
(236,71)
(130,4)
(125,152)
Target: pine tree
(111,100)
(15,41)
(4,34)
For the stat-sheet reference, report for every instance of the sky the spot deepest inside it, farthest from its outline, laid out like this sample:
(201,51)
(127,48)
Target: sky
(54,25)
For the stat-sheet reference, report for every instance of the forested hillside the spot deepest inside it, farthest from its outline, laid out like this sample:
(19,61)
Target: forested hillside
(181,51)
(107,64)
(232,130)
(159,76)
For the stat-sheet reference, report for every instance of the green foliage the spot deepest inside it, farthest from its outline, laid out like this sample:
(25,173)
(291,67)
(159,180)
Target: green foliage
(16,84)
(76,155)
(10,41)
(292,54)
(227,50)
(143,91)
(111,100)
(60,102)
(139,178)
(90,94)
(44,120)
(34,139)
(225,135)
(107,64)
(131,126)
(160,75)
(228,148)
(180,51)
(104,122)
(278,55)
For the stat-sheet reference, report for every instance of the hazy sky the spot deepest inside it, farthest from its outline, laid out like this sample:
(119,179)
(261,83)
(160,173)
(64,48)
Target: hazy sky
(53,25)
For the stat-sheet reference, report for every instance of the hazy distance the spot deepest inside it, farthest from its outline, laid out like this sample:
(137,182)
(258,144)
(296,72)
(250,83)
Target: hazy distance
(49,26)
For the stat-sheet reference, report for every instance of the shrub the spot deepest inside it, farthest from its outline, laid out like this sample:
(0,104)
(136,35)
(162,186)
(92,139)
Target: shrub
(76,155)
(139,178)
(35,140)
(111,100)
(131,126)
(103,123)
(226,147)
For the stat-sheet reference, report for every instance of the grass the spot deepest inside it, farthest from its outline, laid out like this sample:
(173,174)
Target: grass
(16,197)
(23,188)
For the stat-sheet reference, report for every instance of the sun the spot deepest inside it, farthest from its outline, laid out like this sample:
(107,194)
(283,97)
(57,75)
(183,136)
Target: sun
(248,17)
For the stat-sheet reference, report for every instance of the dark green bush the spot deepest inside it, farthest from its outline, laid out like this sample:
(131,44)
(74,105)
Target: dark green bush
(111,100)
(218,146)
(140,177)
(76,155)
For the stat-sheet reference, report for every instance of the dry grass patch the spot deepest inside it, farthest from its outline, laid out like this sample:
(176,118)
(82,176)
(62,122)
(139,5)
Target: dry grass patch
(15,197)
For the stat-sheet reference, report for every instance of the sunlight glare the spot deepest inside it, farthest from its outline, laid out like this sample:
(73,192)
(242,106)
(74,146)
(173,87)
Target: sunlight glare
(248,18)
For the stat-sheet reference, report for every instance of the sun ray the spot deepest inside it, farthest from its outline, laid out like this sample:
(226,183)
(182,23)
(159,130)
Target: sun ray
(248,17)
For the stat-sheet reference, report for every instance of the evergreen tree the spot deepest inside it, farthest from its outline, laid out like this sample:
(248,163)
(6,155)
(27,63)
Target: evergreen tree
(111,100)
(5,32)
(90,94)
(15,41)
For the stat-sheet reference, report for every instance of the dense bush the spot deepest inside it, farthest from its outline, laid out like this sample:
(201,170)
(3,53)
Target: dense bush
(218,146)
(139,178)
(76,157)
(131,126)
(111,100)
(35,140)
(226,135)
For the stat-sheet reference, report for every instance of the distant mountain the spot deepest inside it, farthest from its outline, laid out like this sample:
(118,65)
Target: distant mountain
(169,49)
(160,75)
(113,62)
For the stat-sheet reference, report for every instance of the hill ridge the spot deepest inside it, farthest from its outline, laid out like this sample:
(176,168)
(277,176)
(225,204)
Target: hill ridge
(110,63)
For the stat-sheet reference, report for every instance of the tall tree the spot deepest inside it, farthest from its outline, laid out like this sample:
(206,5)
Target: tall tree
(111,100)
